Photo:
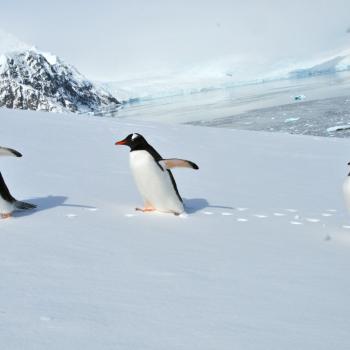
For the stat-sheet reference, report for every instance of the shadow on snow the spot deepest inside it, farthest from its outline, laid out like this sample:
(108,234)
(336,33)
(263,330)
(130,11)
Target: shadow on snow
(46,203)
(196,204)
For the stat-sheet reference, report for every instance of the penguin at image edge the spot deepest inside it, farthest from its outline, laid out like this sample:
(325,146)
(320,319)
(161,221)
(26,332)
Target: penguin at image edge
(8,204)
(346,191)
(153,177)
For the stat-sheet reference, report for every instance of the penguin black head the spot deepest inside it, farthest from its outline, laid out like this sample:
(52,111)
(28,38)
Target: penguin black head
(133,141)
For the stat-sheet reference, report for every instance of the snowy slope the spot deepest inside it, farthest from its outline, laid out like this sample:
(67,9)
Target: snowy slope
(85,271)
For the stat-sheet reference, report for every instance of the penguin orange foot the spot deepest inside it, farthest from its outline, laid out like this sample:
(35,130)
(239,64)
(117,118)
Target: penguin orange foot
(145,209)
(6,216)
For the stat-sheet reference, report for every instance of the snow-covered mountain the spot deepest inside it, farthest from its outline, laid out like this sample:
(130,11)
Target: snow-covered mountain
(40,81)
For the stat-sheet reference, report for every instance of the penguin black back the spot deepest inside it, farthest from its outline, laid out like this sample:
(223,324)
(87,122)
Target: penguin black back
(4,191)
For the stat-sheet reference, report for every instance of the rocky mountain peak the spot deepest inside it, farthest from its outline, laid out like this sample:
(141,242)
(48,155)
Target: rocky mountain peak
(39,81)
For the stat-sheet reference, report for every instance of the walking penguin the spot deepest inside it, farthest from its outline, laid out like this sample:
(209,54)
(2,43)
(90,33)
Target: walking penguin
(153,177)
(8,204)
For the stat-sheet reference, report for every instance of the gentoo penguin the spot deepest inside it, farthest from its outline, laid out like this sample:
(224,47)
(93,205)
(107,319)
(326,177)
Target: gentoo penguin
(153,177)
(346,191)
(8,204)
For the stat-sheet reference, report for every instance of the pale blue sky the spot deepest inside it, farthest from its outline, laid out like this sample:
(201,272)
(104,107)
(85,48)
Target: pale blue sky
(109,40)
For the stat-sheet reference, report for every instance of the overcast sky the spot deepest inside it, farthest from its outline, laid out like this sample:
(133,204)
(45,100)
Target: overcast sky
(111,40)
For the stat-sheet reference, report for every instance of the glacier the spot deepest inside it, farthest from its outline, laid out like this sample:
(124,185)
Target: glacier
(224,73)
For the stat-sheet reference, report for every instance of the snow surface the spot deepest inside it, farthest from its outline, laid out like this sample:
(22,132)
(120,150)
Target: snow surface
(53,59)
(260,261)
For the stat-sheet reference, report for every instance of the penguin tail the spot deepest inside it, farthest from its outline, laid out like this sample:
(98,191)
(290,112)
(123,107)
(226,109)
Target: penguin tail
(24,206)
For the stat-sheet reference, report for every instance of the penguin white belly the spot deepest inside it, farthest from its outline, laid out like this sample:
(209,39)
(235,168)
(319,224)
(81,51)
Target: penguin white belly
(6,207)
(154,185)
(346,192)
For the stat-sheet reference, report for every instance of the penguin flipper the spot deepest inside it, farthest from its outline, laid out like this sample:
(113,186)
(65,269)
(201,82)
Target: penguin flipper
(4,151)
(24,206)
(177,163)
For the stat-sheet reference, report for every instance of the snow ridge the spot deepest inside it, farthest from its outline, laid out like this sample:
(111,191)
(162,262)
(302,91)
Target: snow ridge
(34,80)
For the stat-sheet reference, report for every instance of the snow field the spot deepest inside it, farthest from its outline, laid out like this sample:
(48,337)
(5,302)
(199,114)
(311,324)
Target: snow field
(259,261)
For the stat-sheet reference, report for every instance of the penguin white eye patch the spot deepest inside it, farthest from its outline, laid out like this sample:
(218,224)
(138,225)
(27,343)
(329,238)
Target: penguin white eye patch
(134,136)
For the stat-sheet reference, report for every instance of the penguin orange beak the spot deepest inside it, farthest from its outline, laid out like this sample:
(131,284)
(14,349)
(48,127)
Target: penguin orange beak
(122,142)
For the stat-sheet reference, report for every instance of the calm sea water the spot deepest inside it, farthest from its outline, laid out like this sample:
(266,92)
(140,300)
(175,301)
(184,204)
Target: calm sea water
(315,106)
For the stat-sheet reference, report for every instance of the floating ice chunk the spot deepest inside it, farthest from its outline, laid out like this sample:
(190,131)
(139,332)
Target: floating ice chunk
(289,120)
(338,128)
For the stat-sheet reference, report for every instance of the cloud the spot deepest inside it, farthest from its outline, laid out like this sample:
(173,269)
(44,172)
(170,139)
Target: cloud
(9,42)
